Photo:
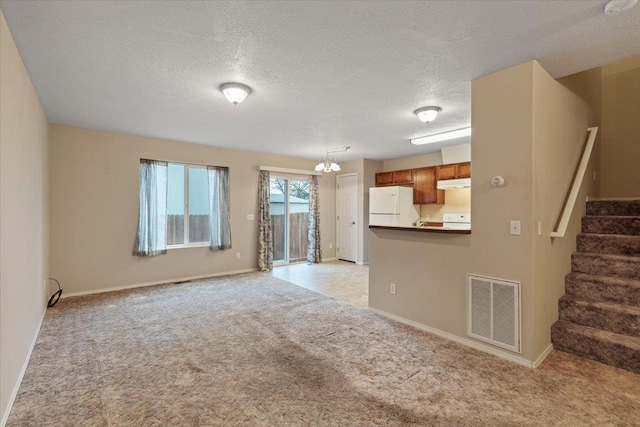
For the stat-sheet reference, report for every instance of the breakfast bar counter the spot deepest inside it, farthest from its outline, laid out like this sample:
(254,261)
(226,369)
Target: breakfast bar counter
(427,229)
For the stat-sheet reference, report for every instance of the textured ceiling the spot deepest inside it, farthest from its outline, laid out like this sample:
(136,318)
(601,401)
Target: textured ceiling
(324,74)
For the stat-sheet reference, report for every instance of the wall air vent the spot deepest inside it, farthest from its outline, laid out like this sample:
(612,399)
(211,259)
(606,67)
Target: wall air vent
(493,311)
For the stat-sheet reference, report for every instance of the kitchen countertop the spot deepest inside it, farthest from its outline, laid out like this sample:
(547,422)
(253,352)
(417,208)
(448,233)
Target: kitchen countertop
(427,229)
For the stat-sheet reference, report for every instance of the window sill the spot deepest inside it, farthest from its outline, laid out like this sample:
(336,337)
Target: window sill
(194,245)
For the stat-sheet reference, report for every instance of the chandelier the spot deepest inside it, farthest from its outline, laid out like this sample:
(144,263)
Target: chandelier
(329,164)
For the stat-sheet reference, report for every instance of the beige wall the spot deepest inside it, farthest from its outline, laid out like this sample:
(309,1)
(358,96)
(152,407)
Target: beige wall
(588,86)
(412,162)
(23,215)
(620,151)
(560,120)
(94,209)
(613,95)
(430,269)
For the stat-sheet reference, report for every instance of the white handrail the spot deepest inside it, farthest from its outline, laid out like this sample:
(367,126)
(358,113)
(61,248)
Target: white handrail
(577,183)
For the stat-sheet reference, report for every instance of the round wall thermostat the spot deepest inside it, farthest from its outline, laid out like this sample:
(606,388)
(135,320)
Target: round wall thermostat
(497,181)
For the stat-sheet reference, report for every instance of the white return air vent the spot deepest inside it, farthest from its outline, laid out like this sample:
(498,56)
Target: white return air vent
(493,313)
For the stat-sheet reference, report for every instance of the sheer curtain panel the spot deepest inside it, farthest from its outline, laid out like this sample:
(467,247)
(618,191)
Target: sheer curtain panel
(265,234)
(151,239)
(219,212)
(314,251)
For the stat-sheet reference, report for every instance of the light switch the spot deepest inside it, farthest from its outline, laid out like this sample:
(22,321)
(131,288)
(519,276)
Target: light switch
(515,227)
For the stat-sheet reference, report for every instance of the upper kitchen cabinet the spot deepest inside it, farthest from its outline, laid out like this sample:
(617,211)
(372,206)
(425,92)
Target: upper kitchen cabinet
(454,171)
(424,187)
(400,177)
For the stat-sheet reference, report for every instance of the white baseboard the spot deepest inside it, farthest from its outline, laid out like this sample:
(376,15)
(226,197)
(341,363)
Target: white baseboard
(329,259)
(14,393)
(362,263)
(547,351)
(159,282)
(464,341)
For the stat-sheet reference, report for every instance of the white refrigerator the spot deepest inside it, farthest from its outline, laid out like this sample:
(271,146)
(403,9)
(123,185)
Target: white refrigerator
(392,206)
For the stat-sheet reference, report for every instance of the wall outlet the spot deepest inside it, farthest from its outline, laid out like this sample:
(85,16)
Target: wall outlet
(515,227)
(250,217)
(392,288)
(237,255)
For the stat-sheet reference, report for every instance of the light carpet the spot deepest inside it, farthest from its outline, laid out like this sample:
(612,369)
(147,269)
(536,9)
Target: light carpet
(253,350)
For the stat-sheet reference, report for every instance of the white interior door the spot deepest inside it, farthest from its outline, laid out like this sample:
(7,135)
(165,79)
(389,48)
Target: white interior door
(347,217)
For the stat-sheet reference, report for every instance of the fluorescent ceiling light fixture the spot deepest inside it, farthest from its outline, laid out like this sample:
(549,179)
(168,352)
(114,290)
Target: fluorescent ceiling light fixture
(427,114)
(445,136)
(328,164)
(235,92)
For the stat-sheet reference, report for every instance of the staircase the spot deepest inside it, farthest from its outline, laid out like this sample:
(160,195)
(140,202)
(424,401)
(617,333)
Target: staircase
(600,312)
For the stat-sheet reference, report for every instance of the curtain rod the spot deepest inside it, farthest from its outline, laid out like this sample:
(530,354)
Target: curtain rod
(184,163)
(287,170)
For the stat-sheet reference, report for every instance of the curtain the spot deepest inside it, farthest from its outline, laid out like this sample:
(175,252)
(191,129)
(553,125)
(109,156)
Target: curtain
(265,234)
(151,239)
(314,251)
(219,213)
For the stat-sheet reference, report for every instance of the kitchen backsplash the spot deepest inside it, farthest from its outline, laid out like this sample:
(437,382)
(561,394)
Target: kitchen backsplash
(457,201)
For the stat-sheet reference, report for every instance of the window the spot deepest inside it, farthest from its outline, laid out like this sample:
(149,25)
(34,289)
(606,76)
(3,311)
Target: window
(187,205)
(182,205)
(289,206)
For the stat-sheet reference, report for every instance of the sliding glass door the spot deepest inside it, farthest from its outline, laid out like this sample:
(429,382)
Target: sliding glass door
(289,201)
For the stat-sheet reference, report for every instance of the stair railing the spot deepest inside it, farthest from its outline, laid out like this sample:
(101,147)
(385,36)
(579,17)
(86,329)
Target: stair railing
(576,184)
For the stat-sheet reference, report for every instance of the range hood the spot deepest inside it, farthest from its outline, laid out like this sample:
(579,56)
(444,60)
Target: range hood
(446,184)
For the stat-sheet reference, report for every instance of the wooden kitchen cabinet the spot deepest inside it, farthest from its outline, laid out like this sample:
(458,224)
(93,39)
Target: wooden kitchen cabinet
(424,187)
(464,170)
(454,171)
(400,177)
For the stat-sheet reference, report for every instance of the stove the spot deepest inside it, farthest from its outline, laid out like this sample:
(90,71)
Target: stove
(457,221)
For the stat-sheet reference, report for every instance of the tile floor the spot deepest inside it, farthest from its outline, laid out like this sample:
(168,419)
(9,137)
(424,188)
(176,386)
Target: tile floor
(342,280)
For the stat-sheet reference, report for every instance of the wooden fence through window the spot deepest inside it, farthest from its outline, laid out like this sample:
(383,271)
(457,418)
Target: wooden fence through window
(198,229)
(298,235)
(199,232)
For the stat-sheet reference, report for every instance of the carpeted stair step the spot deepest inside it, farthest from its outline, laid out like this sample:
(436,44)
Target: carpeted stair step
(603,288)
(618,318)
(628,225)
(609,244)
(604,346)
(614,207)
(606,265)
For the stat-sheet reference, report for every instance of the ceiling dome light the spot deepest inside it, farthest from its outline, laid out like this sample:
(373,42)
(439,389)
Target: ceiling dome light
(427,114)
(235,92)
(616,6)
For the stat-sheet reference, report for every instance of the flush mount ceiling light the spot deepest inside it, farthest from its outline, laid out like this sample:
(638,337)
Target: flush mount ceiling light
(328,164)
(617,6)
(235,92)
(427,114)
(445,136)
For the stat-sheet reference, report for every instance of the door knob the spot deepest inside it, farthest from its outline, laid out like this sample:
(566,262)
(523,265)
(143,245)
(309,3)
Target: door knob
(353,223)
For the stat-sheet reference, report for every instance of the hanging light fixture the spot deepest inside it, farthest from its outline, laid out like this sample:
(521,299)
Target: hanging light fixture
(235,92)
(427,114)
(329,164)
